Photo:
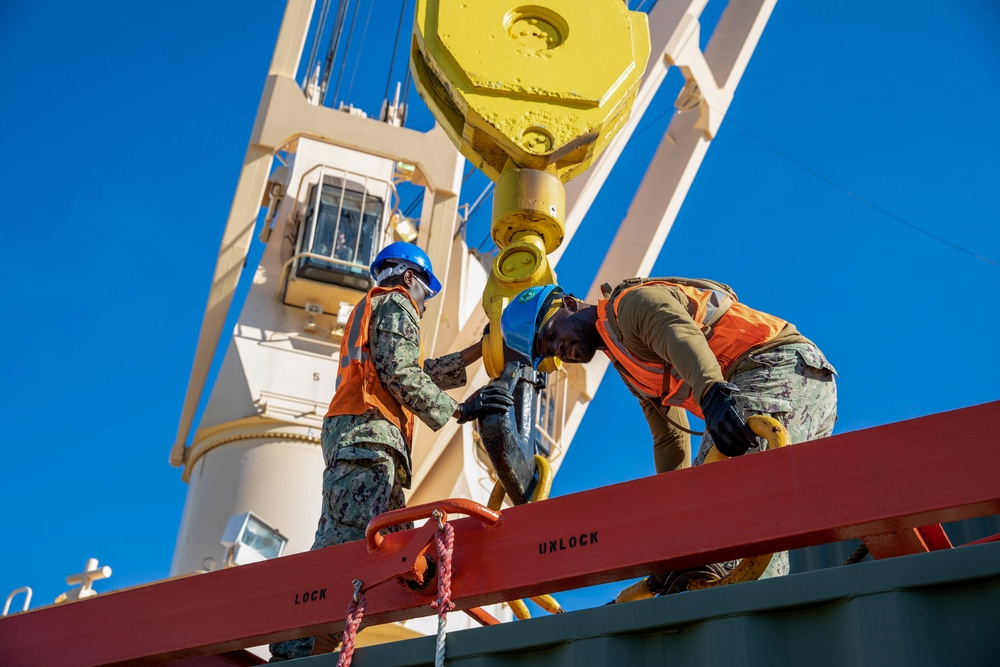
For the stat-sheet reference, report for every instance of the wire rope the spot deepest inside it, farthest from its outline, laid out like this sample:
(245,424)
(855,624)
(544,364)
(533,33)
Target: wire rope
(407,81)
(419,198)
(471,210)
(866,202)
(347,50)
(478,203)
(317,36)
(840,188)
(413,204)
(361,48)
(395,46)
(331,53)
(405,99)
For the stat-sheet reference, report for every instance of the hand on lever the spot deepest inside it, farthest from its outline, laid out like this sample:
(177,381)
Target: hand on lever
(494,398)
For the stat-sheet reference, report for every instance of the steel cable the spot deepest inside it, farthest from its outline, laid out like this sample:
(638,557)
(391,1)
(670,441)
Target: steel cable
(395,46)
(331,53)
(361,48)
(317,35)
(347,50)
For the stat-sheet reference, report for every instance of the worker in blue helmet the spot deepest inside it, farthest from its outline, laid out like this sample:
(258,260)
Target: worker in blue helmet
(683,345)
(384,386)
(525,315)
(396,259)
(686,346)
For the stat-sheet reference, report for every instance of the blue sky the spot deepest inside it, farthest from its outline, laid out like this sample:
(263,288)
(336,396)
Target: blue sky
(124,127)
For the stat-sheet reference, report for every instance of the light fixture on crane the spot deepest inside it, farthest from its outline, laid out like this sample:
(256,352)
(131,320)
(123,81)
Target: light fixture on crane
(404,228)
(249,539)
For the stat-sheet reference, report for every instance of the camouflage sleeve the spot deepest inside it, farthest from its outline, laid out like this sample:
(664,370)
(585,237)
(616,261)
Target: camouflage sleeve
(395,345)
(448,372)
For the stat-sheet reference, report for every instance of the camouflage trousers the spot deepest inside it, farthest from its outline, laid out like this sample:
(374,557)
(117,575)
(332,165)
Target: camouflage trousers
(794,384)
(360,481)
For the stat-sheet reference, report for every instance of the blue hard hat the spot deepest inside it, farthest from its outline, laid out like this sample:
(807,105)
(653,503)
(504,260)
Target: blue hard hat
(408,256)
(520,320)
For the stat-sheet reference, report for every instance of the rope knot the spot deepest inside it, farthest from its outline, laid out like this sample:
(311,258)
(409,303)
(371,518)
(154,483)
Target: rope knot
(355,612)
(444,541)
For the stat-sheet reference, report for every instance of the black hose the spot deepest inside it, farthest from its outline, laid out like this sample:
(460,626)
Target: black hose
(858,555)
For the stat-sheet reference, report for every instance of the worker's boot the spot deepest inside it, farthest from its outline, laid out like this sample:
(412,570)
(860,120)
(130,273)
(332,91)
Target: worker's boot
(291,649)
(678,581)
(328,643)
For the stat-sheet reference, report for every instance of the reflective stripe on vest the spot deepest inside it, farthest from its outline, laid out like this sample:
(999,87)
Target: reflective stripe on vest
(731,329)
(358,387)
(350,347)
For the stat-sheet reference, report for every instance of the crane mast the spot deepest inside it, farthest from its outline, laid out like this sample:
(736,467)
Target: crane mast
(533,96)
(553,111)
(541,98)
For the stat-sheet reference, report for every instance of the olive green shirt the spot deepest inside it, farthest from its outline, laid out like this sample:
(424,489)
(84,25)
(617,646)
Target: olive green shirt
(657,324)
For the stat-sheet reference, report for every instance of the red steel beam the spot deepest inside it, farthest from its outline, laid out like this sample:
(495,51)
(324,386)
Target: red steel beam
(909,541)
(881,480)
(900,543)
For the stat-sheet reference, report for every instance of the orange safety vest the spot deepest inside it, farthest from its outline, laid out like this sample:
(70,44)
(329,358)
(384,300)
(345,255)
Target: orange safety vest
(358,386)
(731,328)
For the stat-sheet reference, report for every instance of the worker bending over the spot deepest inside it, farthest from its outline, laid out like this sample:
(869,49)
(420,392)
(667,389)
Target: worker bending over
(686,345)
(382,385)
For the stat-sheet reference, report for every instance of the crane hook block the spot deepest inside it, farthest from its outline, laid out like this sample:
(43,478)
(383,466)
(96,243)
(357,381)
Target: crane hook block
(547,84)
(509,437)
(530,94)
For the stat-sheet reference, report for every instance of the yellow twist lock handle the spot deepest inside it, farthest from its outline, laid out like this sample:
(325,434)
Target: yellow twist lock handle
(637,591)
(748,569)
(542,489)
(766,427)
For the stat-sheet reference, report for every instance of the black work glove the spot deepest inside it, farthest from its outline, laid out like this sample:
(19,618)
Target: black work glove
(492,399)
(724,420)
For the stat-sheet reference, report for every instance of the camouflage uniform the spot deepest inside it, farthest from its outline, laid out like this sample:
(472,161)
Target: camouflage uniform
(786,377)
(794,384)
(367,460)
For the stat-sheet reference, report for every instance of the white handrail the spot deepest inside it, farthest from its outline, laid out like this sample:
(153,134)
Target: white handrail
(27,599)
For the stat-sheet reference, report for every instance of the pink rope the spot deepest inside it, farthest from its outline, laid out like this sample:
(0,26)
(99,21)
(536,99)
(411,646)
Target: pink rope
(355,612)
(444,540)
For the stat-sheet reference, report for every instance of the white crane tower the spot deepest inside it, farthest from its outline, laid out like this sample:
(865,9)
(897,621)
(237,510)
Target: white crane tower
(326,180)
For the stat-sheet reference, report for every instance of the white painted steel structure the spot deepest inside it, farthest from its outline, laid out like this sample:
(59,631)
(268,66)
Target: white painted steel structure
(256,448)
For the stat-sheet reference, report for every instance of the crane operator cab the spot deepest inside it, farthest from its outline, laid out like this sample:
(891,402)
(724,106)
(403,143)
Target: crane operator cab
(335,241)
(333,208)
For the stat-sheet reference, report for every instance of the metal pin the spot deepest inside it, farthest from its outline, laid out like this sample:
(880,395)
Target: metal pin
(439,515)
(357,589)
